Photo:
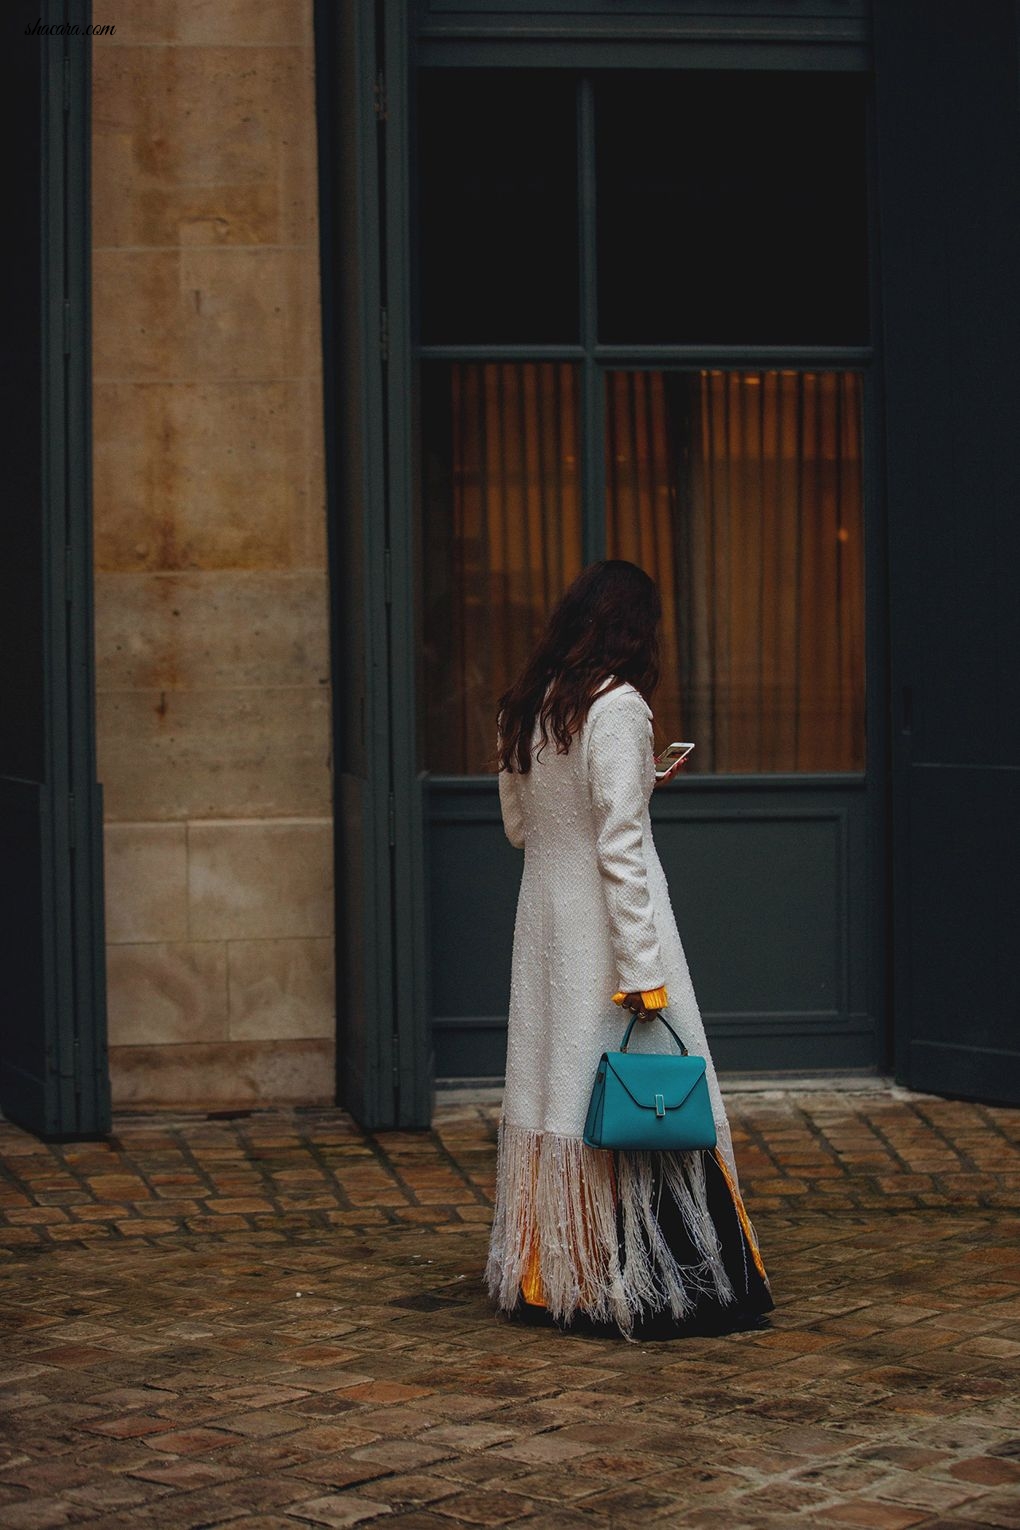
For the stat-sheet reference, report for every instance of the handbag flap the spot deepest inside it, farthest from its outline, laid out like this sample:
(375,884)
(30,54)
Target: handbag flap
(647,1074)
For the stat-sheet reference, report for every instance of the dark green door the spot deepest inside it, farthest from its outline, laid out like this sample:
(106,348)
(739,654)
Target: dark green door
(53,1076)
(950,229)
(383,1054)
(642,330)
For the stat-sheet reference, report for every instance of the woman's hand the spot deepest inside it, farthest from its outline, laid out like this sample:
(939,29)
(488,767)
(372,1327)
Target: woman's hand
(673,770)
(634,1002)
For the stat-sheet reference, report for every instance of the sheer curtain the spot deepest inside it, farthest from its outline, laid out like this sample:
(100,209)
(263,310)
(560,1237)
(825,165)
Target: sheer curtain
(740,493)
(502,535)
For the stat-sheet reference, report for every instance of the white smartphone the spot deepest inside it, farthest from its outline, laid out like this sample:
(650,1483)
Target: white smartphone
(668,758)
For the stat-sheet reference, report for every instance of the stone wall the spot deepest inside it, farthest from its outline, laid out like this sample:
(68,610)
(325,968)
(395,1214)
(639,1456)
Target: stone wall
(211,593)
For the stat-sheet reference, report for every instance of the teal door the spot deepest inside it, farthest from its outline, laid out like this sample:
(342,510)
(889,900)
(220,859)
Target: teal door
(640,315)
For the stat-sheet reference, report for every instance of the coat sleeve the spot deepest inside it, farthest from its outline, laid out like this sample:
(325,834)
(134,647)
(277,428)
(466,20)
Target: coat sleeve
(619,757)
(510,807)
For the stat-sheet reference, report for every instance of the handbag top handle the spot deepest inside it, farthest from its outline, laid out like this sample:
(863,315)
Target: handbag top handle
(662,1017)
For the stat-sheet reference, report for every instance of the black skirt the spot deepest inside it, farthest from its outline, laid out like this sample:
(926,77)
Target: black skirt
(752,1297)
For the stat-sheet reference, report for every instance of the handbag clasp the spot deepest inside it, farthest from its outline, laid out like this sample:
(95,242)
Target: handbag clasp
(660,1105)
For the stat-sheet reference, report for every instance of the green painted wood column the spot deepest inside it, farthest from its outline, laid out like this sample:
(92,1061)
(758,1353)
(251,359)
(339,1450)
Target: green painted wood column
(53,1066)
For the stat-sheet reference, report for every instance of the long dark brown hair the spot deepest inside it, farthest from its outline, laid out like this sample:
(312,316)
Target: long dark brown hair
(606,623)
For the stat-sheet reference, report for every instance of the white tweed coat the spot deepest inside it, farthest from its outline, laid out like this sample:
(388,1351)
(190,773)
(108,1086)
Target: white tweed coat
(593,916)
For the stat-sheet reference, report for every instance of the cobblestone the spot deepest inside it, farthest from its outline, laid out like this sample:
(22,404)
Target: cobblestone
(276,1320)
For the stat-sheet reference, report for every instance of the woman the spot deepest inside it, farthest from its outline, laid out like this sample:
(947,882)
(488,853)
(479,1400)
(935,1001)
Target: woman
(643,1244)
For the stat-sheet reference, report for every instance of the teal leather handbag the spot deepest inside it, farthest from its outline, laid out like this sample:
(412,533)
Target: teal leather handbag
(650,1100)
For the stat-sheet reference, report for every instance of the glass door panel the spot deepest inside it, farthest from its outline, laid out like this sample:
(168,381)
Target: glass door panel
(502,538)
(497,206)
(731,208)
(740,493)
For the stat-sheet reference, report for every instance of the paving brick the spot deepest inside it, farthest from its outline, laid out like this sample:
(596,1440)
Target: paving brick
(336,1472)
(339,1510)
(419,1519)
(190,1442)
(1000,1509)
(989,1471)
(115,1493)
(873,1515)
(186,1475)
(131,1426)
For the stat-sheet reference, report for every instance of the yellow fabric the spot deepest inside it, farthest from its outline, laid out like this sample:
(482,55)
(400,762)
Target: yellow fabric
(651,998)
(741,1215)
(532,1289)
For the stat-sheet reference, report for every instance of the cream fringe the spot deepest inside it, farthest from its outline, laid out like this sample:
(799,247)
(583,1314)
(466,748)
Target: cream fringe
(559,1194)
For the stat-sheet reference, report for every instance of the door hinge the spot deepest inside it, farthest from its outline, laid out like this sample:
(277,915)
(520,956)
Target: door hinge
(380,96)
(396,1058)
(388,576)
(384,334)
(393,819)
(68,574)
(67,326)
(67,82)
(71,821)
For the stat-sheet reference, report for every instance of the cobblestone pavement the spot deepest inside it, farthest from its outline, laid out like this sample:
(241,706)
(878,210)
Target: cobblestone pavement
(273,1320)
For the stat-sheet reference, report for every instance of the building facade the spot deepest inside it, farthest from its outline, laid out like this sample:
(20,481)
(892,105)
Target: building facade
(400,314)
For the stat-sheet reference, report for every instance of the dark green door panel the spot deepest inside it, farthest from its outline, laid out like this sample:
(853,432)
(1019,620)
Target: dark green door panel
(770,890)
(34,1064)
(949,196)
(53,1070)
(384,1075)
(353,394)
(474,876)
(965,914)
(769,898)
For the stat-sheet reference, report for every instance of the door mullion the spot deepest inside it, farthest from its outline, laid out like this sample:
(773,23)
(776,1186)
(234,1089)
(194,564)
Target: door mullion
(412,1062)
(593,522)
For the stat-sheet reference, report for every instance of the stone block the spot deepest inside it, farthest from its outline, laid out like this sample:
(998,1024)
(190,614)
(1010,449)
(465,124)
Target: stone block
(214,1075)
(146,876)
(207,476)
(211,631)
(205,21)
(202,215)
(260,880)
(204,314)
(215,754)
(171,993)
(204,145)
(280,988)
(310,545)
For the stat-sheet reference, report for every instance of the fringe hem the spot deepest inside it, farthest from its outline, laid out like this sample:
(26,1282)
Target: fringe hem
(589,1231)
